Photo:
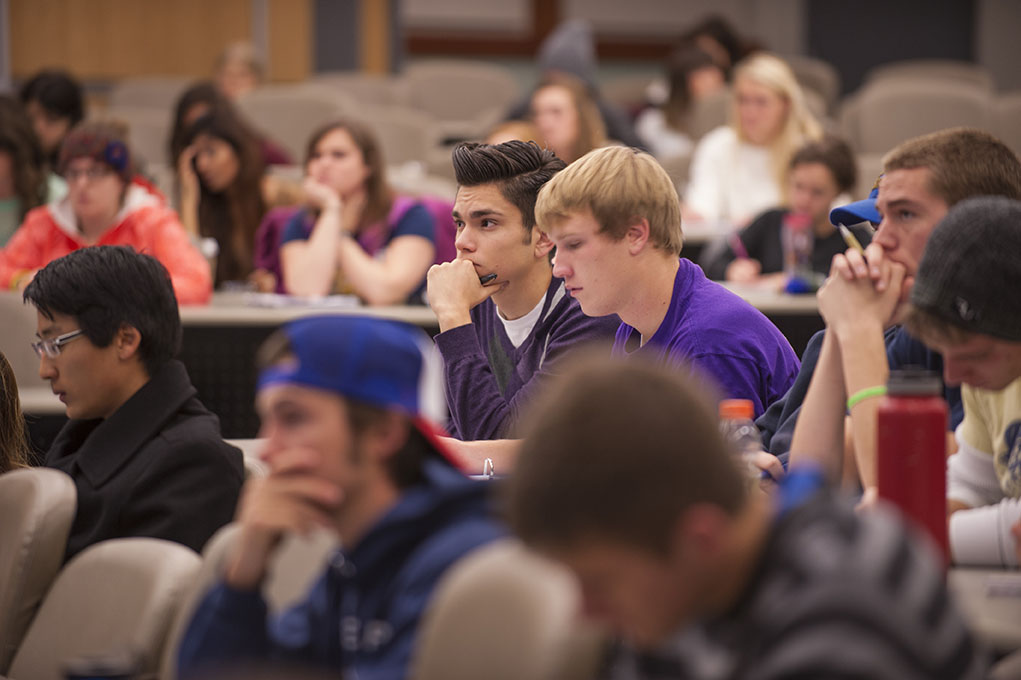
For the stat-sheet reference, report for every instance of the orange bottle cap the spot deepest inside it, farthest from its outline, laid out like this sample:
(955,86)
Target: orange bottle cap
(737,409)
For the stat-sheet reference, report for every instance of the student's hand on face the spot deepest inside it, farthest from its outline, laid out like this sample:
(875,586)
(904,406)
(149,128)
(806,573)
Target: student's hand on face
(186,175)
(320,196)
(292,498)
(454,289)
(743,270)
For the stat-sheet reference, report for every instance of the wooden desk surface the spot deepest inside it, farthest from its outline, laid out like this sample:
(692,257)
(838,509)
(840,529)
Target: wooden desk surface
(234,309)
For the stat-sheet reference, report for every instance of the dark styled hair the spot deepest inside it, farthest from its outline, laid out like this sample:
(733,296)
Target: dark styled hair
(106,287)
(58,93)
(519,169)
(28,162)
(618,451)
(232,216)
(835,154)
(405,466)
(14,450)
(378,195)
(962,163)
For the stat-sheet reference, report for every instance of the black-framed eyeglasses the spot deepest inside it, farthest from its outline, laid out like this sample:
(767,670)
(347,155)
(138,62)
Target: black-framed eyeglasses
(51,346)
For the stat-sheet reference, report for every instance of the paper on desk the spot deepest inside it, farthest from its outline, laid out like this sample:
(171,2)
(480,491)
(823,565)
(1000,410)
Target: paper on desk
(277,300)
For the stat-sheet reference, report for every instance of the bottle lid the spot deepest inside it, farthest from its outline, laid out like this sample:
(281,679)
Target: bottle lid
(737,409)
(914,381)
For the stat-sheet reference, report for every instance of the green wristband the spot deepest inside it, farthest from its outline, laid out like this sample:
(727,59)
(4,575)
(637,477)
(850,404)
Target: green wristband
(867,393)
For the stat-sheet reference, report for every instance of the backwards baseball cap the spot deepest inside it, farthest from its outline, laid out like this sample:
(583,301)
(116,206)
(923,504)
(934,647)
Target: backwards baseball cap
(859,211)
(969,274)
(371,361)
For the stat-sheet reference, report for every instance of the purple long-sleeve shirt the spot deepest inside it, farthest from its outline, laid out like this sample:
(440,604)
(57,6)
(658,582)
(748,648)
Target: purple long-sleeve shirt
(488,380)
(722,337)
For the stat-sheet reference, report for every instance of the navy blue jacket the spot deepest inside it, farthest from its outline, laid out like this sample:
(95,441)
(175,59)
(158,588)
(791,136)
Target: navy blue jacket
(361,616)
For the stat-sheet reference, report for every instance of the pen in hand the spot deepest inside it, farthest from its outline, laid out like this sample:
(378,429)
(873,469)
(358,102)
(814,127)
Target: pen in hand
(849,239)
(487,278)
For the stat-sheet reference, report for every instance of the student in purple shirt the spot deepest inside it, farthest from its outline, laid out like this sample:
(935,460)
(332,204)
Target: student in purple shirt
(615,220)
(501,339)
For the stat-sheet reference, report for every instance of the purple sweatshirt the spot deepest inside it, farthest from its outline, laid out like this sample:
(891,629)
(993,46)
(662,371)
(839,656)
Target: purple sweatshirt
(489,380)
(723,337)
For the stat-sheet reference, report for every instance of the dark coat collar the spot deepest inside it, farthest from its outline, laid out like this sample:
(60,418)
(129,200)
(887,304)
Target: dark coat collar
(106,445)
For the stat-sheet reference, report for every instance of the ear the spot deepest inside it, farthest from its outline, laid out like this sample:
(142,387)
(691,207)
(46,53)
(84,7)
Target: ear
(700,533)
(543,244)
(386,436)
(637,235)
(127,340)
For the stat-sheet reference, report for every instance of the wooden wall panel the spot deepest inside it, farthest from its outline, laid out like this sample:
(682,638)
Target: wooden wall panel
(290,39)
(109,39)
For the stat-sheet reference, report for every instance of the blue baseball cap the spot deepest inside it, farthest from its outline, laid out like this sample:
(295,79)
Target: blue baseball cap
(368,360)
(859,211)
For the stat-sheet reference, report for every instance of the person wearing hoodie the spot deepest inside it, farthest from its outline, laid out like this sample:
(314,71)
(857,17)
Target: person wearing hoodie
(347,451)
(571,50)
(104,206)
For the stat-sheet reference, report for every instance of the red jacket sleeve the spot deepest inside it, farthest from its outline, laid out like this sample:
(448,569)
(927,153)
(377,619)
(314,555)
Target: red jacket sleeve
(189,270)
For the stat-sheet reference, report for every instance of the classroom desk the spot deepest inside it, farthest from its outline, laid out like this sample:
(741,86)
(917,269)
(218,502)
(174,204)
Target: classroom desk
(220,342)
(990,601)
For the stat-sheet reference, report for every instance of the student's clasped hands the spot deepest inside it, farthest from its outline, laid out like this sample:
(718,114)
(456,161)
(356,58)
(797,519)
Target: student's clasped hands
(862,287)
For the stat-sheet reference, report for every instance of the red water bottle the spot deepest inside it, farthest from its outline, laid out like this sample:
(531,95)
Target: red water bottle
(912,451)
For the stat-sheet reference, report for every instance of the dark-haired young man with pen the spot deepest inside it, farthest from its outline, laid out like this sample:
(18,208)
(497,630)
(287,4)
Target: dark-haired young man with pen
(500,339)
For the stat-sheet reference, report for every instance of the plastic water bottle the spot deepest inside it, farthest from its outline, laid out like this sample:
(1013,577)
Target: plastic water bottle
(798,242)
(912,453)
(739,431)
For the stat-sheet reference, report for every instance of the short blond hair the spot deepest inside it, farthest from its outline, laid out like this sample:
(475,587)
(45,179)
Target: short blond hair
(618,185)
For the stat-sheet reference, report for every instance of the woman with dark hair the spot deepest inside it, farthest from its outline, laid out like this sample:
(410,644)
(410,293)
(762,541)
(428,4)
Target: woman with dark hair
(693,75)
(103,207)
(355,236)
(25,182)
(201,99)
(14,450)
(54,103)
(820,176)
(221,176)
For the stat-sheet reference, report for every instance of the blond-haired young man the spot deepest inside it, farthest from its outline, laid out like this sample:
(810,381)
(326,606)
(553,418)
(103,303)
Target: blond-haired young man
(615,219)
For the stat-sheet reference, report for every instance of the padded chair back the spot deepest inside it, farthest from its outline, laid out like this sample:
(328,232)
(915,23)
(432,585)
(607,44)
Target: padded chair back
(458,90)
(292,571)
(946,70)
(289,114)
(504,612)
(404,134)
(889,112)
(148,131)
(37,507)
(365,88)
(1006,123)
(158,92)
(116,597)
(250,450)
(818,76)
(17,330)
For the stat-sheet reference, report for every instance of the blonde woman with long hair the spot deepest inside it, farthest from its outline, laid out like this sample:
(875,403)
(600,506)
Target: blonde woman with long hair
(738,169)
(567,117)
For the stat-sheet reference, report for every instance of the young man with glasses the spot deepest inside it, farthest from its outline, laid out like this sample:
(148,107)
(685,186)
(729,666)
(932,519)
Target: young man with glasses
(146,456)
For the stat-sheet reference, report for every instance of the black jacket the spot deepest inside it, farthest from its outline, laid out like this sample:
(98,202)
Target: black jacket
(157,467)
